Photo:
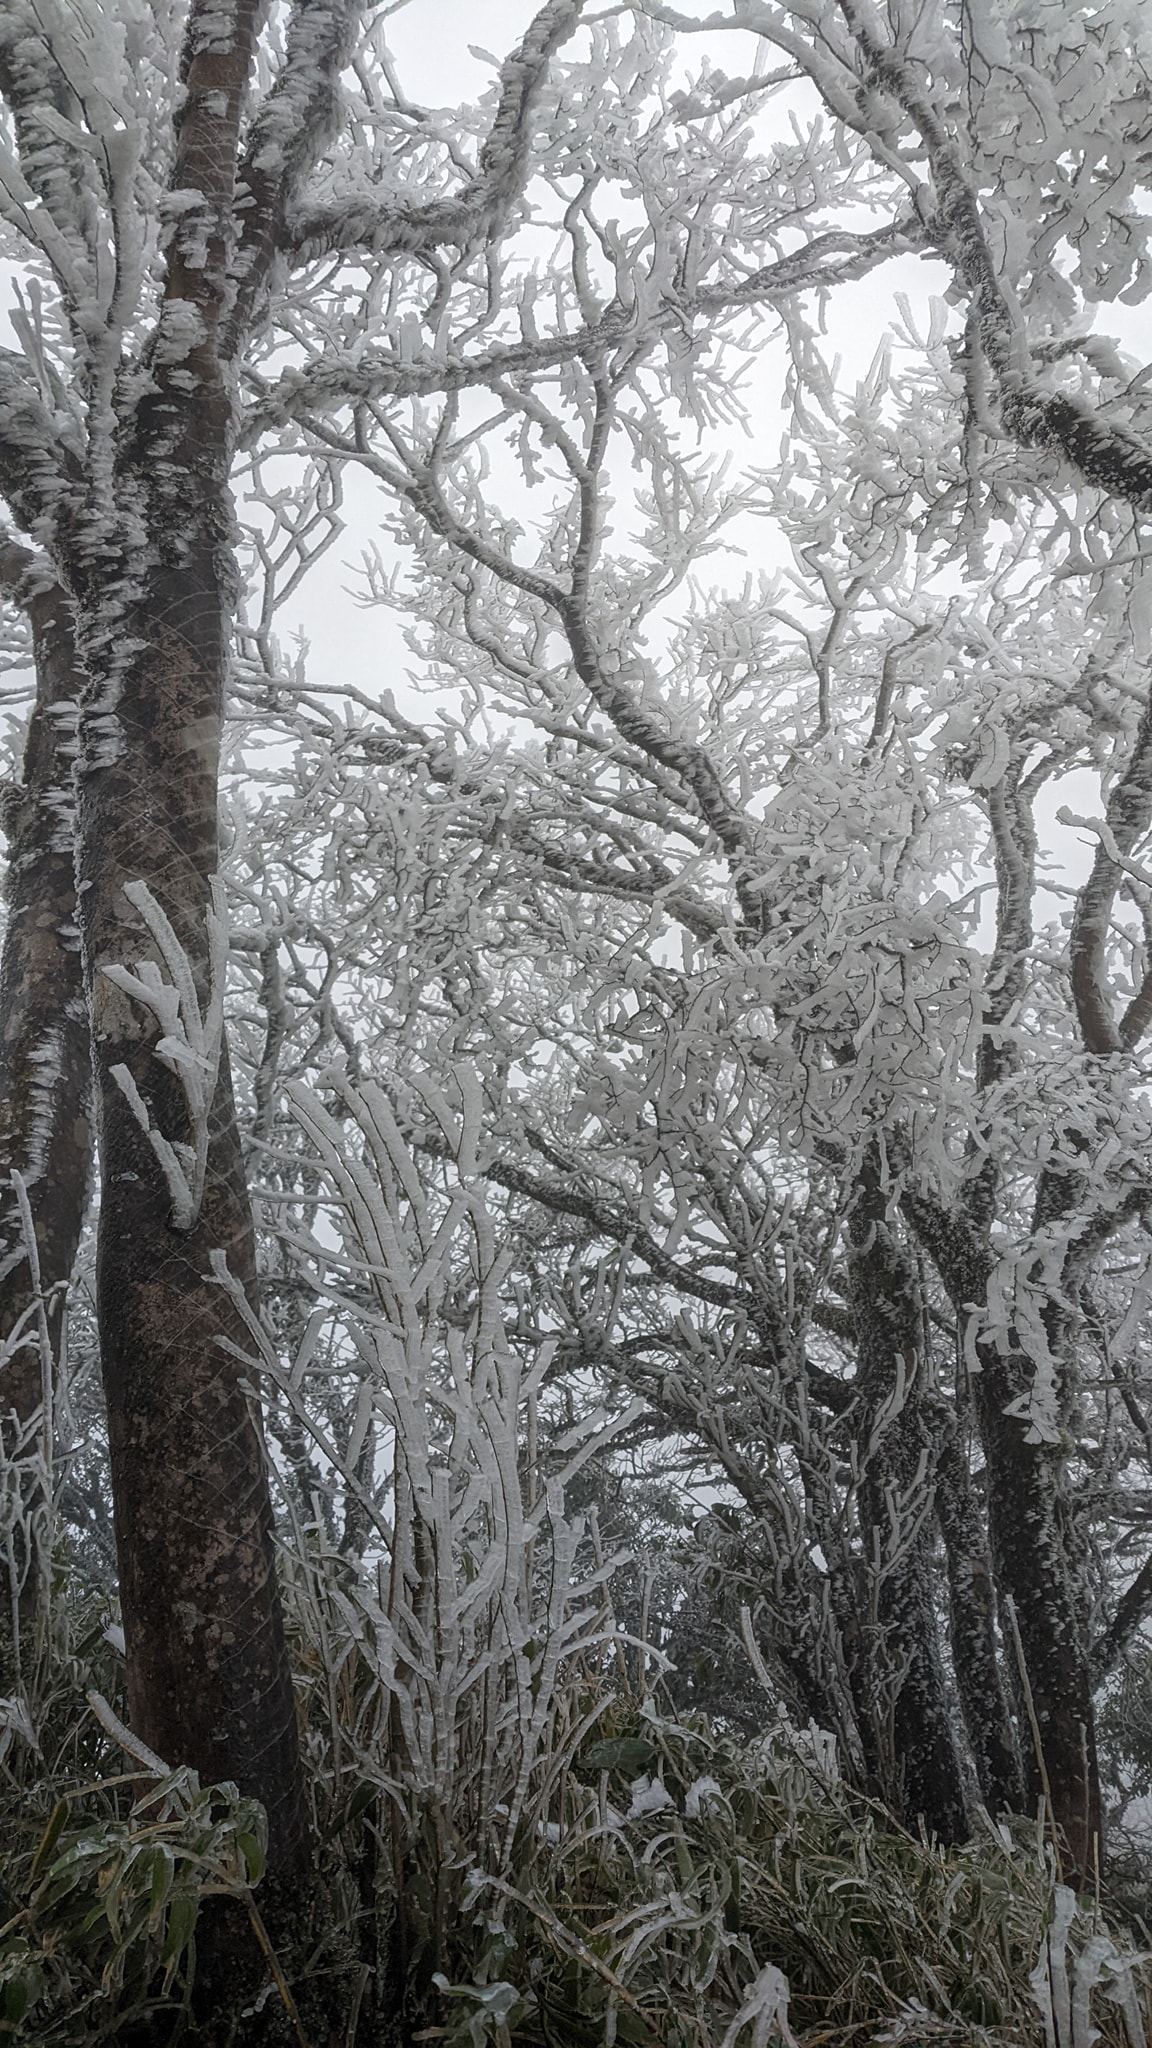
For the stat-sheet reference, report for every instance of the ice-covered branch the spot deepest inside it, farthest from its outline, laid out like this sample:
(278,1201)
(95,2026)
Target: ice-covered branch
(387,374)
(47,188)
(287,136)
(1126,819)
(598,672)
(35,464)
(704,920)
(1132,1611)
(622,1229)
(1101,451)
(189,1046)
(479,209)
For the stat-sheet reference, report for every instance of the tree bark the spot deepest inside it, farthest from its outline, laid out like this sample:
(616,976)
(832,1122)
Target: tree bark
(45,1066)
(972,1627)
(208,1678)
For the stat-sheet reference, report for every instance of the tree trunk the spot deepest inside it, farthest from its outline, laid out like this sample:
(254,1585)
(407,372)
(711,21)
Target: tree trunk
(45,1080)
(972,1624)
(208,1678)
(1032,1570)
(1029,1556)
(209,1683)
(897,1472)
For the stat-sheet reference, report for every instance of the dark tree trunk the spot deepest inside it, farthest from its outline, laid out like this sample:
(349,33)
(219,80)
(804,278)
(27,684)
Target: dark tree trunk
(45,1066)
(1025,1492)
(897,1452)
(972,1625)
(209,1681)
(45,1074)
(1026,1488)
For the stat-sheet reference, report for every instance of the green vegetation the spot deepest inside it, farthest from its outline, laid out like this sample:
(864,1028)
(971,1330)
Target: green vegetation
(666,1884)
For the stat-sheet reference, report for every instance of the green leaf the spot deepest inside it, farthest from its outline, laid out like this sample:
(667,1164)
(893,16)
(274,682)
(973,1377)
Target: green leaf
(163,1875)
(181,1921)
(14,2001)
(361,1799)
(732,1902)
(252,1850)
(630,2028)
(49,1839)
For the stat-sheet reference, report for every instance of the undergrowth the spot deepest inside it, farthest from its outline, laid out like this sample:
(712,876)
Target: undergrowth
(517,1845)
(676,1887)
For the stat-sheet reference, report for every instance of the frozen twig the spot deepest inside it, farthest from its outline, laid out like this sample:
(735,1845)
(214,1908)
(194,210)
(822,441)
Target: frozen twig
(189,1046)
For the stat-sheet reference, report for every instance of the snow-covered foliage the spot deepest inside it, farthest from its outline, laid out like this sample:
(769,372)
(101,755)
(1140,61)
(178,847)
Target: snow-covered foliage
(478,1591)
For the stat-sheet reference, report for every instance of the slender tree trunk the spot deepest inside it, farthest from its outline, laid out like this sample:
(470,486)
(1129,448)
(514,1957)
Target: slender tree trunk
(898,1459)
(1029,1556)
(972,1624)
(45,1076)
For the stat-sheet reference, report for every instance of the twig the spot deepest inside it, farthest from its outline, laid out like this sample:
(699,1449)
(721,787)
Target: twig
(278,1977)
(129,1743)
(1038,1746)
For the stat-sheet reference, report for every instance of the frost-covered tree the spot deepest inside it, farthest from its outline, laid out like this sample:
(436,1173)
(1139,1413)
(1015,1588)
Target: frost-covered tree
(829,1189)
(162,175)
(972,1128)
(222,221)
(797,1117)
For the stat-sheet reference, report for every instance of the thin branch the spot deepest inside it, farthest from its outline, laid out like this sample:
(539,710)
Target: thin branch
(1133,1609)
(1127,817)
(564,1200)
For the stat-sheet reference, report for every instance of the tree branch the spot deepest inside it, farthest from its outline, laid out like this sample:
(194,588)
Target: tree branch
(610,1222)
(1127,816)
(477,212)
(1103,454)
(36,466)
(375,374)
(1133,1608)
(287,136)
